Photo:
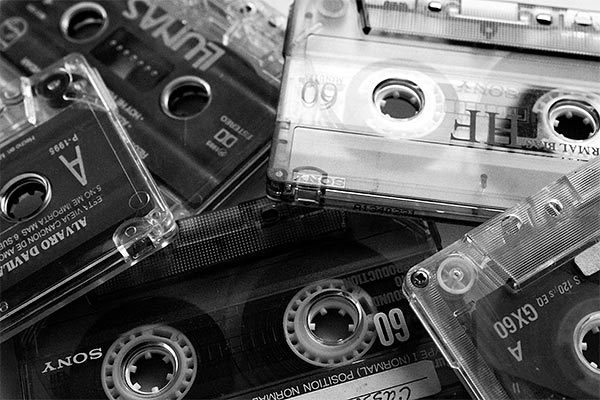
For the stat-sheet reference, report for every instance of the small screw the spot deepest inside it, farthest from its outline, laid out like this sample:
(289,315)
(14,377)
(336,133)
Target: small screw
(420,278)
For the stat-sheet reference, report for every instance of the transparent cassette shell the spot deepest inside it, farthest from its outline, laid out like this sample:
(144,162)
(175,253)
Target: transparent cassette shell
(379,119)
(514,305)
(76,203)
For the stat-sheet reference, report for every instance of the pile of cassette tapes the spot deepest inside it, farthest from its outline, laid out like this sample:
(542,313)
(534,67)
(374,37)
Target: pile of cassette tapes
(206,199)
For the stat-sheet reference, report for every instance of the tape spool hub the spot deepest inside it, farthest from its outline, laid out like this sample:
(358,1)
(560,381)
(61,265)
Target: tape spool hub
(586,340)
(150,362)
(24,197)
(150,368)
(574,119)
(185,97)
(399,99)
(330,323)
(83,22)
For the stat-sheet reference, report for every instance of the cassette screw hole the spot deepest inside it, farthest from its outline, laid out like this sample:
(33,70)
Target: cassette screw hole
(185,97)
(130,231)
(574,120)
(554,208)
(83,22)
(420,278)
(398,99)
(24,197)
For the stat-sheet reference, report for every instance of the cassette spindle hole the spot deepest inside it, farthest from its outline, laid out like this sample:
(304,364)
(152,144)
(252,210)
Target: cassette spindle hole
(399,99)
(150,368)
(83,22)
(587,342)
(24,197)
(575,120)
(330,323)
(456,275)
(150,362)
(185,97)
(333,319)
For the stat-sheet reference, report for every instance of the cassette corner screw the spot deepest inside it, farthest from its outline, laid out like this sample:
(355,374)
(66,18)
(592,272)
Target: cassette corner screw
(420,278)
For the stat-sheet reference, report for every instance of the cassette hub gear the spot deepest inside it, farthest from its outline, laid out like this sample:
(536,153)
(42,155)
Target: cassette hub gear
(330,323)
(149,362)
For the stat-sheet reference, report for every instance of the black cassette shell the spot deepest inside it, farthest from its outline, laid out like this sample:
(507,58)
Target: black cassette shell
(233,315)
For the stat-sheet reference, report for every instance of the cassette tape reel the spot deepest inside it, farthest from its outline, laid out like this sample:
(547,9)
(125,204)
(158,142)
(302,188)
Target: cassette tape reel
(515,305)
(444,109)
(321,316)
(76,203)
(199,113)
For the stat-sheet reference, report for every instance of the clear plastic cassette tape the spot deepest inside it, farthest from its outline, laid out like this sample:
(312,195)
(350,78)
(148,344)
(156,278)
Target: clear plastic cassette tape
(76,203)
(261,301)
(515,304)
(447,109)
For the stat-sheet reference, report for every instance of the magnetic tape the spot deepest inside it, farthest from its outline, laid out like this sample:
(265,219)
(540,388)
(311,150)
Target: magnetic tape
(199,113)
(445,109)
(321,316)
(515,305)
(76,203)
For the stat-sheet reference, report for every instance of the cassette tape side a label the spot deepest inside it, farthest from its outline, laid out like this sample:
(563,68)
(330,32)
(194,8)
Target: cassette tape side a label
(94,187)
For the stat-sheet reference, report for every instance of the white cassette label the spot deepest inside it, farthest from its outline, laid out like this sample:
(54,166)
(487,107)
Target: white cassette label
(413,381)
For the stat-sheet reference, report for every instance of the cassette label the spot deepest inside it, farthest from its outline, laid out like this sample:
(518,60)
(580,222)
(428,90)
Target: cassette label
(458,129)
(302,331)
(514,306)
(76,204)
(184,98)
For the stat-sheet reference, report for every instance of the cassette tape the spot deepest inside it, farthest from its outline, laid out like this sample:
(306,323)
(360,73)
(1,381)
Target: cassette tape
(319,317)
(515,304)
(445,109)
(199,113)
(76,203)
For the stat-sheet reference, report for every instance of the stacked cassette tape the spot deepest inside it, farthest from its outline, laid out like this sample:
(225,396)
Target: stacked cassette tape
(314,313)
(199,110)
(76,203)
(446,109)
(515,305)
